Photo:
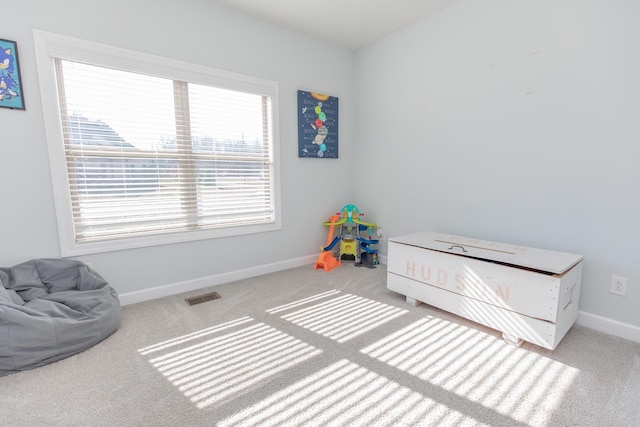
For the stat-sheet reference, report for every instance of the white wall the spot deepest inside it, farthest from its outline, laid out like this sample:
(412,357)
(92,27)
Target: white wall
(503,120)
(514,121)
(198,32)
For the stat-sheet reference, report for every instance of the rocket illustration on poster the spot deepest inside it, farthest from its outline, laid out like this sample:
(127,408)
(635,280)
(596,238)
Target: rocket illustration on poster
(317,125)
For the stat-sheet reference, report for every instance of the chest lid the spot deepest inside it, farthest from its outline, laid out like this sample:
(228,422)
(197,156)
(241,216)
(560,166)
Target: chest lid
(519,256)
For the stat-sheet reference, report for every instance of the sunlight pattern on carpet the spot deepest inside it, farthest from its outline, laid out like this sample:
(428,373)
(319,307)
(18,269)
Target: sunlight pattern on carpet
(193,336)
(480,367)
(343,316)
(342,394)
(233,358)
(303,301)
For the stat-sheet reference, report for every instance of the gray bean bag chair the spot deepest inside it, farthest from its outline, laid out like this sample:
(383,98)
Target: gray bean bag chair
(51,309)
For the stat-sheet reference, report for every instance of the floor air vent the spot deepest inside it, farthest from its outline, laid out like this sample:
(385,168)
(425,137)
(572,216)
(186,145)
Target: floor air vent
(203,298)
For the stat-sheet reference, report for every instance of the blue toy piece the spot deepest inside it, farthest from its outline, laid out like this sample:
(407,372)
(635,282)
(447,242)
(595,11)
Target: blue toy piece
(368,255)
(332,244)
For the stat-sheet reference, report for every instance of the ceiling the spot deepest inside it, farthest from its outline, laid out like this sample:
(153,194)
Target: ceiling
(348,23)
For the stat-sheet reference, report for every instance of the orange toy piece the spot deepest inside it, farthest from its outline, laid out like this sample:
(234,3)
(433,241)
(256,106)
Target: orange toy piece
(326,259)
(334,219)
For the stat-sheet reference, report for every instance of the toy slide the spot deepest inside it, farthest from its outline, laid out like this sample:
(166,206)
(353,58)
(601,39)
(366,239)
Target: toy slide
(367,241)
(364,245)
(332,244)
(368,250)
(326,260)
(332,226)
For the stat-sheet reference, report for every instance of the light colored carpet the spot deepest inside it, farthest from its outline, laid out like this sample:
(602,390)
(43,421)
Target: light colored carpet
(304,347)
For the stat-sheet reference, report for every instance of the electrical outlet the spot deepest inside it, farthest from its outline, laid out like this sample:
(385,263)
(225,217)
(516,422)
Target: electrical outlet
(618,285)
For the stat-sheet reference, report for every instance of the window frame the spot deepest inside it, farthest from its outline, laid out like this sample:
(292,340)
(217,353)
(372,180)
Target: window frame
(49,46)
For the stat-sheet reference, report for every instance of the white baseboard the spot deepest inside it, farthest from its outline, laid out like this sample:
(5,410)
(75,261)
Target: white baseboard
(609,326)
(216,279)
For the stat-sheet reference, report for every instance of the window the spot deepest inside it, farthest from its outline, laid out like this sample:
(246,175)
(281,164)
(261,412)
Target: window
(147,150)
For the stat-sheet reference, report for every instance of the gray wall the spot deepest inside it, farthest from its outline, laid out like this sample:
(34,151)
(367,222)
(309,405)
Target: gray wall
(198,32)
(515,122)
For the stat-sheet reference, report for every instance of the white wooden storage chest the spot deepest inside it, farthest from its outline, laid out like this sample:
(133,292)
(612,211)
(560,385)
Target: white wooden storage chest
(527,294)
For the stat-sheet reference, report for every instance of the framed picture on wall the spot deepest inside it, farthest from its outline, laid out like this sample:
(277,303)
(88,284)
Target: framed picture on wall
(10,82)
(317,125)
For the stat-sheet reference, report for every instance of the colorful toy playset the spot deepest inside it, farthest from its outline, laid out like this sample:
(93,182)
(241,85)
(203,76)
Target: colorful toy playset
(348,242)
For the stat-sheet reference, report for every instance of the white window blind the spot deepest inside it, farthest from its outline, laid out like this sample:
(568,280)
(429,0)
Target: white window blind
(149,150)
(149,155)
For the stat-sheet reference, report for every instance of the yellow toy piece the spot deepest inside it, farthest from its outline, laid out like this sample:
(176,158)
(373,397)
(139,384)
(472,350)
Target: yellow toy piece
(348,247)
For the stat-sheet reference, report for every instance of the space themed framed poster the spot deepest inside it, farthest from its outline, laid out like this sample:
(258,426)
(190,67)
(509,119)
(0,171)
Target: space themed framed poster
(317,125)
